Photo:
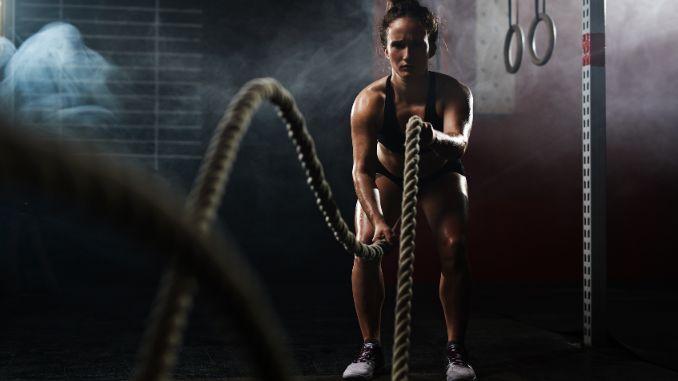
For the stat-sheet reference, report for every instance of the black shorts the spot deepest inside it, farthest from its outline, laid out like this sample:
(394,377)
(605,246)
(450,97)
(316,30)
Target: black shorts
(450,166)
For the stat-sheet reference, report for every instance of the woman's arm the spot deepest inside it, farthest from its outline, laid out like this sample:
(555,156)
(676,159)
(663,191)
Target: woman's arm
(364,124)
(451,143)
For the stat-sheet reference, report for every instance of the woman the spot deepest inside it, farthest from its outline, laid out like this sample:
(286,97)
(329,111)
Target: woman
(378,118)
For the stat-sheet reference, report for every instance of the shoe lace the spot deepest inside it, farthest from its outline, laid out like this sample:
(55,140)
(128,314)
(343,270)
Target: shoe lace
(455,357)
(366,353)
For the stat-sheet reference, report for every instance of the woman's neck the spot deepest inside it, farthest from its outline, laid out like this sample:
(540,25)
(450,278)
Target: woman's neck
(410,90)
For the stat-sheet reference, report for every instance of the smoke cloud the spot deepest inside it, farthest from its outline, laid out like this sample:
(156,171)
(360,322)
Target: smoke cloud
(54,79)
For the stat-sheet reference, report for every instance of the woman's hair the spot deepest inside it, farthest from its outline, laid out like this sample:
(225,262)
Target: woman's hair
(411,8)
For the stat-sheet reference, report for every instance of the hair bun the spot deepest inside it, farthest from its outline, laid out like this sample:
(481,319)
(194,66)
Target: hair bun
(392,3)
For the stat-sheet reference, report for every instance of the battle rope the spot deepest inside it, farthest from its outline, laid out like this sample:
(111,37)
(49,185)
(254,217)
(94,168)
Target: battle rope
(163,337)
(154,216)
(216,168)
(408,219)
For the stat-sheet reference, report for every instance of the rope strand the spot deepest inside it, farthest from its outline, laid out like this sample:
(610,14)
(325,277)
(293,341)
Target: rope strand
(403,316)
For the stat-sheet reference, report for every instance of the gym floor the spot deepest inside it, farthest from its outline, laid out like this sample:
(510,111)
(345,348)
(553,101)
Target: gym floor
(516,333)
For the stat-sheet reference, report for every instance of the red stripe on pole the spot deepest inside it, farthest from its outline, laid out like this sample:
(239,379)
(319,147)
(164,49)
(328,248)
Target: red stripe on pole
(586,49)
(593,49)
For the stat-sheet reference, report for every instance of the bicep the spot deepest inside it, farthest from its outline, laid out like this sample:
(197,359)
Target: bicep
(363,138)
(458,115)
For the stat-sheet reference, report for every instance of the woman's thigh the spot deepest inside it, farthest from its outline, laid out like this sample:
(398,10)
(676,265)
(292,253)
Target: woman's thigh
(389,197)
(445,205)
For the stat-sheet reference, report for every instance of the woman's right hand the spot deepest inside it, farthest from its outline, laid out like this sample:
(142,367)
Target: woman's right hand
(383,231)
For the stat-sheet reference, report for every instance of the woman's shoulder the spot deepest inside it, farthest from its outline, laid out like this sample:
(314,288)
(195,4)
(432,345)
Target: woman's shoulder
(447,85)
(371,98)
(375,90)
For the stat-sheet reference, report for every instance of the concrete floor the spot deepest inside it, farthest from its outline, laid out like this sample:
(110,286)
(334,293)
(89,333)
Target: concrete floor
(516,333)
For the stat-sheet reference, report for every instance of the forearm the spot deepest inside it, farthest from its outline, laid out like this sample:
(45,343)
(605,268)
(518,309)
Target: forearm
(448,146)
(368,196)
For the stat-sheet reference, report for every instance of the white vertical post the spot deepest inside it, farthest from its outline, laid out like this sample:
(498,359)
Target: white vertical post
(7,19)
(594,172)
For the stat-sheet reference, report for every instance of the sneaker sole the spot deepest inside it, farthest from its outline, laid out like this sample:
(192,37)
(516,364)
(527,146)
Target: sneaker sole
(377,373)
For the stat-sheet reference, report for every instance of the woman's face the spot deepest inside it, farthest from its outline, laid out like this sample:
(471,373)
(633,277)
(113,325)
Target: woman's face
(407,47)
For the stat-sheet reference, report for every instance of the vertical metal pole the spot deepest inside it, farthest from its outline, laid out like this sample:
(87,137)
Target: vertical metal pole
(594,172)
(7,21)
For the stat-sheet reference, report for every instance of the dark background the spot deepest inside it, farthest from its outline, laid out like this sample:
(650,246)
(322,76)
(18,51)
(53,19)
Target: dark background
(524,168)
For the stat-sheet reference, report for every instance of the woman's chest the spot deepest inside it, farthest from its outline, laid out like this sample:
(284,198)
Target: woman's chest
(404,112)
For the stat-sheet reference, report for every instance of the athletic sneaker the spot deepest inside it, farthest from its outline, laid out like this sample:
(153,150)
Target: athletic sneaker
(458,368)
(368,363)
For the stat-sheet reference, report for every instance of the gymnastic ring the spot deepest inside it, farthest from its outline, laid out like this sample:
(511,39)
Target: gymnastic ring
(513,68)
(531,46)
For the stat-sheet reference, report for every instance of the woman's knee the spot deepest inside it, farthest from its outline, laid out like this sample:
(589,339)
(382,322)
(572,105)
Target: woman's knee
(452,251)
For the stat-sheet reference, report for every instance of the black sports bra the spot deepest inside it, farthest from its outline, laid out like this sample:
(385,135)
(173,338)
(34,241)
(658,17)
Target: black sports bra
(390,134)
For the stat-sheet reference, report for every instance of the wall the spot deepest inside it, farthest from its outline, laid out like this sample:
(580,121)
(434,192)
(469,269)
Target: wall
(523,166)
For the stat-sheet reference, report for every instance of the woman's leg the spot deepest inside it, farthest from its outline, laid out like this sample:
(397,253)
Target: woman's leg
(445,204)
(367,279)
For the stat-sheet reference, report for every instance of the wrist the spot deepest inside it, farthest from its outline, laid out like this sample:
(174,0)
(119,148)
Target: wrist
(377,219)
